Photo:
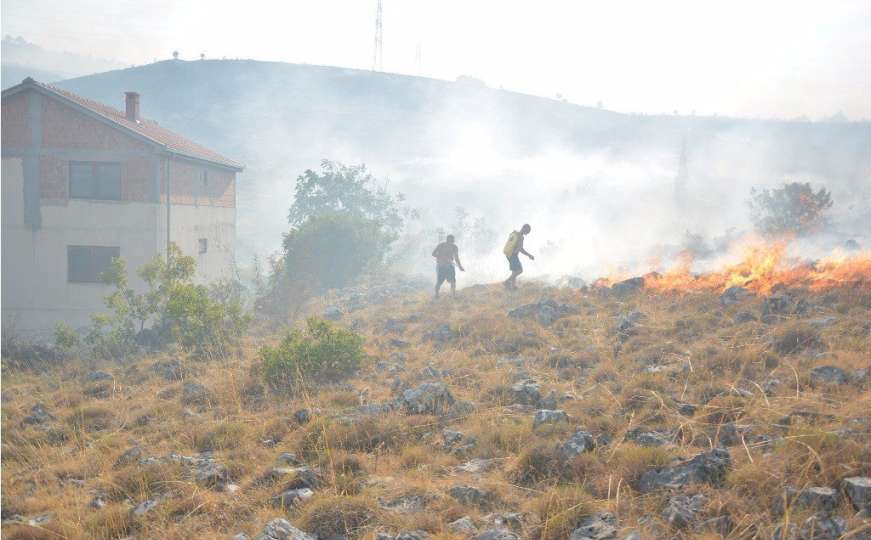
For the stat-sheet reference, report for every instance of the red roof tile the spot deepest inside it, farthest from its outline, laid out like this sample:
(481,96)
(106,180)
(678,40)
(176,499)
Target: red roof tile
(146,128)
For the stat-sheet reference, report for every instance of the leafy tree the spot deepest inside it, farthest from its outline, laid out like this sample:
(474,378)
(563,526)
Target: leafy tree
(323,351)
(793,208)
(349,189)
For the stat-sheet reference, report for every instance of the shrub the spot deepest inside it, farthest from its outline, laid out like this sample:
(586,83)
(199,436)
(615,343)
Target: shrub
(560,511)
(323,351)
(172,310)
(793,208)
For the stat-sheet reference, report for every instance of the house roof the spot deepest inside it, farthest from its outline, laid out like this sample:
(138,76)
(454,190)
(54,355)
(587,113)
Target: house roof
(149,130)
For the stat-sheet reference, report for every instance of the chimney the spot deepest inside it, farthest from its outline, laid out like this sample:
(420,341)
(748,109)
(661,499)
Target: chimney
(132,102)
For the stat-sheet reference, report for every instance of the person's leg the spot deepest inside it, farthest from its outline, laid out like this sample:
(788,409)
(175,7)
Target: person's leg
(454,288)
(440,278)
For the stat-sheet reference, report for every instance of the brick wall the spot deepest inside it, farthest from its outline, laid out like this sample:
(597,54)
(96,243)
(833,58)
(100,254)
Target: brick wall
(16,132)
(63,127)
(188,186)
(53,175)
(136,177)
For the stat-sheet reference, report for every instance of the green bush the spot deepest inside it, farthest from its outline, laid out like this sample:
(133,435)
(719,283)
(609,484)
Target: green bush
(323,351)
(793,208)
(173,310)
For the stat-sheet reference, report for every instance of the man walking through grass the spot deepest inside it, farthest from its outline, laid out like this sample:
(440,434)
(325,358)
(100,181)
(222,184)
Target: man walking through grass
(513,248)
(445,254)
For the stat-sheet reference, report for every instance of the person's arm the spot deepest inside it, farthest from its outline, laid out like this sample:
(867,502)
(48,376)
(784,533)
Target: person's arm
(521,250)
(435,251)
(457,258)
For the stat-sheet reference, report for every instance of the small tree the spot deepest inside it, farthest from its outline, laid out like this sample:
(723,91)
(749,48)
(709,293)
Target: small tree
(793,208)
(172,310)
(348,189)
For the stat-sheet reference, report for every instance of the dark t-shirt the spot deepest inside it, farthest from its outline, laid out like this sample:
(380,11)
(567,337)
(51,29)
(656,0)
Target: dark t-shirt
(445,254)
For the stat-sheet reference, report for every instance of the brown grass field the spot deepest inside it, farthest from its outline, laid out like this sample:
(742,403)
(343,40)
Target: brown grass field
(751,384)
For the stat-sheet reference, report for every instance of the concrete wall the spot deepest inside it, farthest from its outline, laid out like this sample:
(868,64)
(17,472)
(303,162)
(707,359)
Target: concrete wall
(36,292)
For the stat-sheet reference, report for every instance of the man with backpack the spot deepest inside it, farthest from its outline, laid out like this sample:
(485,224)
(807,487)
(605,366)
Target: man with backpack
(445,254)
(513,248)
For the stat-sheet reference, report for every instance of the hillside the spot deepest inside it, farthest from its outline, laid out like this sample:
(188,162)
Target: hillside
(547,413)
(448,144)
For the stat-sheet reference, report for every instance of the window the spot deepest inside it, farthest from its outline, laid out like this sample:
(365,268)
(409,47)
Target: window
(87,264)
(204,245)
(92,180)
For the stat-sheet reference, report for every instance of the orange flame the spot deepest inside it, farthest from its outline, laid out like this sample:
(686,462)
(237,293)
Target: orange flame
(763,267)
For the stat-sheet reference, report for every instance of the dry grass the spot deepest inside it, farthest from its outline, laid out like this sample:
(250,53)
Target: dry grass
(799,431)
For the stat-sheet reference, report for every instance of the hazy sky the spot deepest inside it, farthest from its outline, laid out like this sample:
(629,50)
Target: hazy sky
(745,58)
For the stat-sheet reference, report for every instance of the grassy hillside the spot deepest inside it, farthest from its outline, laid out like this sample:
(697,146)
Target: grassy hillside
(437,432)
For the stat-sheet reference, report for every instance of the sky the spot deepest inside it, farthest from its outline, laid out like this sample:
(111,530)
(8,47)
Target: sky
(758,59)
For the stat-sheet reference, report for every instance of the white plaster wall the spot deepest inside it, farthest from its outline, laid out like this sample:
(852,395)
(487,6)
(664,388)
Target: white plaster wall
(218,225)
(36,293)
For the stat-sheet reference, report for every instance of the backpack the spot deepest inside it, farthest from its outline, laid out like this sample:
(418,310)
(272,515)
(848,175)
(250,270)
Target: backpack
(510,248)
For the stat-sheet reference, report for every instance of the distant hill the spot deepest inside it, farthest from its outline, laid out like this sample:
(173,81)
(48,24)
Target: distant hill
(461,143)
(23,59)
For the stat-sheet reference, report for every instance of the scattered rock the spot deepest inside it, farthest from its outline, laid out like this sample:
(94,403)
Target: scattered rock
(734,295)
(94,376)
(281,529)
(131,455)
(145,506)
(858,490)
(774,306)
(464,525)
(601,526)
(686,409)
(721,525)
(471,495)
(477,465)
(545,311)
(526,392)
(428,398)
(829,374)
(546,416)
(681,510)
(451,437)
(823,322)
(412,535)
(497,534)
(649,438)
(194,394)
(822,526)
(815,498)
(170,370)
(332,313)
(441,335)
(292,496)
(731,434)
(705,468)
(304,416)
(288,458)
(579,443)
(38,415)
(628,286)
(626,324)
(97,503)
(406,503)
(744,316)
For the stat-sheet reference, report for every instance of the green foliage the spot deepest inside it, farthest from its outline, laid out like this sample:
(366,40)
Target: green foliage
(792,209)
(323,351)
(329,250)
(346,189)
(173,310)
(65,338)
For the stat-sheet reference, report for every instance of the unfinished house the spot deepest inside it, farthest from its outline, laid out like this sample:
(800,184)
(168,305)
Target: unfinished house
(83,183)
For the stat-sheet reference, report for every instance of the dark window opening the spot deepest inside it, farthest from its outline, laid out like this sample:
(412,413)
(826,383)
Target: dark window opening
(89,264)
(204,245)
(94,180)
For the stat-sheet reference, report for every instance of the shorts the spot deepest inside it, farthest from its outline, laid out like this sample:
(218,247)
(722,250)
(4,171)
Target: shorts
(514,263)
(446,273)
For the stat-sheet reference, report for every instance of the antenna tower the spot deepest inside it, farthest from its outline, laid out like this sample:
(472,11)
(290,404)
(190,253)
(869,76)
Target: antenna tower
(378,54)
